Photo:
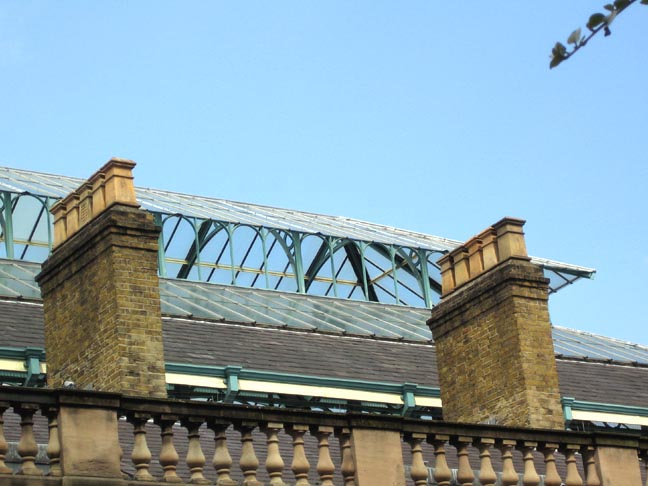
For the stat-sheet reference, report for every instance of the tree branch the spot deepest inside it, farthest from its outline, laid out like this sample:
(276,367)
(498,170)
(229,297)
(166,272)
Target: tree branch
(597,22)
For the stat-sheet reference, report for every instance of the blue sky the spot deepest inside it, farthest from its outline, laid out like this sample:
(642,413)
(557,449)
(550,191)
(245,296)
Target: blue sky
(439,117)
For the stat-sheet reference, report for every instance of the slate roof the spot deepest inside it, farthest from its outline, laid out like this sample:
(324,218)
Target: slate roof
(604,382)
(305,353)
(21,324)
(195,341)
(259,307)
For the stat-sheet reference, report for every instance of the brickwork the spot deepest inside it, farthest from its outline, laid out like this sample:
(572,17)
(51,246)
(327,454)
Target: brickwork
(495,350)
(100,288)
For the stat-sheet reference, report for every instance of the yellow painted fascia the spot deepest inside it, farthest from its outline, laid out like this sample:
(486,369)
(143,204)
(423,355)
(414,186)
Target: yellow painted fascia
(316,391)
(617,418)
(428,402)
(195,380)
(12,365)
(261,386)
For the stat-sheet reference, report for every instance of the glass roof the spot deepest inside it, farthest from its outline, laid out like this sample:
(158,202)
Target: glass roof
(581,344)
(247,245)
(199,300)
(295,311)
(17,279)
(166,202)
(17,180)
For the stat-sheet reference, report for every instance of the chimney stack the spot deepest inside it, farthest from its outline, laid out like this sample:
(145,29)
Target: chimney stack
(493,335)
(103,328)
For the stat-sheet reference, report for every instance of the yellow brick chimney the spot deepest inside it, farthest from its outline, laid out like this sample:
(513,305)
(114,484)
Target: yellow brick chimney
(103,328)
(493,335)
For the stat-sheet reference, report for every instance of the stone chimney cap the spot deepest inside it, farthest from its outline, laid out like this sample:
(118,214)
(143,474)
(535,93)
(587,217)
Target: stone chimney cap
(509,220)
(112,184)
(118,161)
(498,242)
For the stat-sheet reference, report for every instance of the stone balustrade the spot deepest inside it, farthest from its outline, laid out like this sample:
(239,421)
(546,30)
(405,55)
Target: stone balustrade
(172,441)
(112,184)
(497,243)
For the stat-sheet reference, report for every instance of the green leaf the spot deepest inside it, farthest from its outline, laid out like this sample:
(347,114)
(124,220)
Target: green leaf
(644,2)
(554,62)
(574,37)
(559,49)
(558,55)
(621,4)
(595,20)
(609,7)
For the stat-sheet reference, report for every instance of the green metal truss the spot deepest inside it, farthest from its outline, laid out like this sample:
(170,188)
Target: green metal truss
(232,243)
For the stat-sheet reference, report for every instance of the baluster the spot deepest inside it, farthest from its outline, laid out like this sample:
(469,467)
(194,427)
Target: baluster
(274,462)
(418,471)
(644,458)
(552,478)
(325,466)
(27,447)
(141,455)
(4,446)
(442,473)
(249,462)
(169,457)
(222,459)
(509,476)
(348,465)
(53,443)
(589,465)
(573,478)
(530,477)
(300,465)
(465,475)
(195,457)
(120,453)
(487,475)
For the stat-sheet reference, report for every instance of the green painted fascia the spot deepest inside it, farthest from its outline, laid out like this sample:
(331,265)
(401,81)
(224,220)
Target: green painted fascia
(308,380)
(13,374)
(198,370)
(574,404)
(26,353)
(31,357)
(21,353)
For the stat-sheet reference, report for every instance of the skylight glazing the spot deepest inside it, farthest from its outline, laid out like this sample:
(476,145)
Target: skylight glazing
(254,246)
(214,302)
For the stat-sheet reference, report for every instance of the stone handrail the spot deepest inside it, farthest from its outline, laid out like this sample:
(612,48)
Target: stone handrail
(475,452)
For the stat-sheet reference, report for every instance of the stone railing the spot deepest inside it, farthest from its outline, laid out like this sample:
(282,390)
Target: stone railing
(106,439)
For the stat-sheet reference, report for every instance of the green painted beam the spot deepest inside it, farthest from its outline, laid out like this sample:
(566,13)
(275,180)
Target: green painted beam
(294,379)
(570,404)
(7,224)
(34,356)
(7,352)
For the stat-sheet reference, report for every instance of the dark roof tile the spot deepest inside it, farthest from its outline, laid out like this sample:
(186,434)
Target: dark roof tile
(307,353)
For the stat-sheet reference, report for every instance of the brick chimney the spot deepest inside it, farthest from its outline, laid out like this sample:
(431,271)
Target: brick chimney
(103,328)
(493,335)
